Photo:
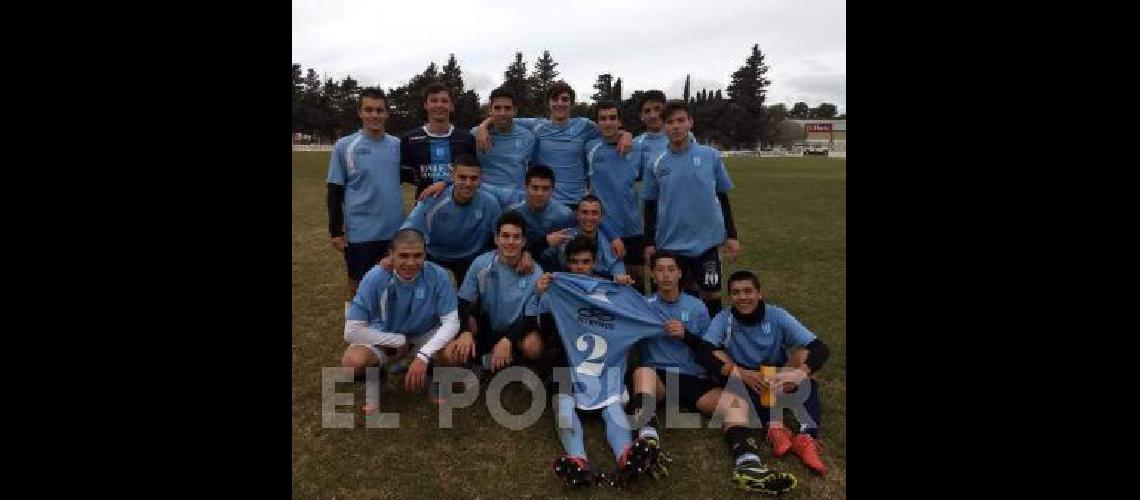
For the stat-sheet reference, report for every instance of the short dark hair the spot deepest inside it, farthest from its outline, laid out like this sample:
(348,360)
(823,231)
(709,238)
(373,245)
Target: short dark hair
(581,244)
(406,235)
(673,107)
(651,95)
(745,275)
(371,93)
(592,198)
(558,89)
(666,254)
(435,88)
(539,171)
(607,105)
(512,217)
(465,159)
(504,92)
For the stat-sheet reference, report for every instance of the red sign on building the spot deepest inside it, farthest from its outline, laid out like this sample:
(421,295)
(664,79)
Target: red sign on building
(818,127)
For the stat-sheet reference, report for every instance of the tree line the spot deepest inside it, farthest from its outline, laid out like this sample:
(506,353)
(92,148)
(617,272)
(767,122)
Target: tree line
(325,109)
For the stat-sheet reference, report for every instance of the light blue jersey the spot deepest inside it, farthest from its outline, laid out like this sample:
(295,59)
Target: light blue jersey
(507,197)
(612,179)
(369,170)
(668,353)
(685,185)
(505,165)
(598,322)
(455,231)
(606,264)
(765,343)
(563,149)
(654,143)
(389,304)
(500,291)
(540,223)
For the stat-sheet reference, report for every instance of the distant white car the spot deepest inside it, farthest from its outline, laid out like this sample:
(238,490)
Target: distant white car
(815,150)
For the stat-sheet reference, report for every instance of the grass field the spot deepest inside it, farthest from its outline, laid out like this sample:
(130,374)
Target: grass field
(791,215)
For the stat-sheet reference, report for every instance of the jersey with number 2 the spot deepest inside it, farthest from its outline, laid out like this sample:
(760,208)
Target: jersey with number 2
(598,322)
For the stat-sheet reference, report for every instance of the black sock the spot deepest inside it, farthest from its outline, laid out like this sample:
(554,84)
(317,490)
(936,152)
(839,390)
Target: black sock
(713,306)
(653,424)
(643,407)
(742,443)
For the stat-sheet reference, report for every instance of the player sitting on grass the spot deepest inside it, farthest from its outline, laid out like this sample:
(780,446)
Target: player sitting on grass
(680,353)
(752,334)
(596,322)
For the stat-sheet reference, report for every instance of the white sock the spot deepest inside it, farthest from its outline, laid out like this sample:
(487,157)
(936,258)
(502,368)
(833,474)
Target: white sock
(747,457)
(647,432)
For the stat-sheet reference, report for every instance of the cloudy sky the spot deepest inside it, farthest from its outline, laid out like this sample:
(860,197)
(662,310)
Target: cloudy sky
(648,44)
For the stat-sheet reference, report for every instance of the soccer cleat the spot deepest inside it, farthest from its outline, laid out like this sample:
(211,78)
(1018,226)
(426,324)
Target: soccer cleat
(754,476)
(574,471)
(808,450)
(644,456)
(781,439)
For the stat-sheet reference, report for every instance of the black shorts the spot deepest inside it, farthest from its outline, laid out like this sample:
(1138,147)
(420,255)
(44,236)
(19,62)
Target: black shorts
(457,267)
(702,271)
(360,257)
(634,250)
(484,343)
(691,389)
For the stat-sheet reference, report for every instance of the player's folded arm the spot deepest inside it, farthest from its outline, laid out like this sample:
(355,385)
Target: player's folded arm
(359,332)
(440,336)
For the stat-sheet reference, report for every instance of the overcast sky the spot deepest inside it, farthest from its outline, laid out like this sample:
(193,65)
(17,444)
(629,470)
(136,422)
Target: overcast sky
(648,44)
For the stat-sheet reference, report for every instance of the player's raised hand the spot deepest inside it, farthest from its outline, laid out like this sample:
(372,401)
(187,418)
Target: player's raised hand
(558,237)
(432,190)
(625,143)
(618,247)
(543,283)
(675,328)
(623,279)
(483,136)
(525,265)
(732,248)
(386,263)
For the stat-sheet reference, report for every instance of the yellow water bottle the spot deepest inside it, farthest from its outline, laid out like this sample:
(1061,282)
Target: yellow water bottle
(767,397)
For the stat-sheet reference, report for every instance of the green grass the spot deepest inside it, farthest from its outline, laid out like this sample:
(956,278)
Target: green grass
(791,215)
